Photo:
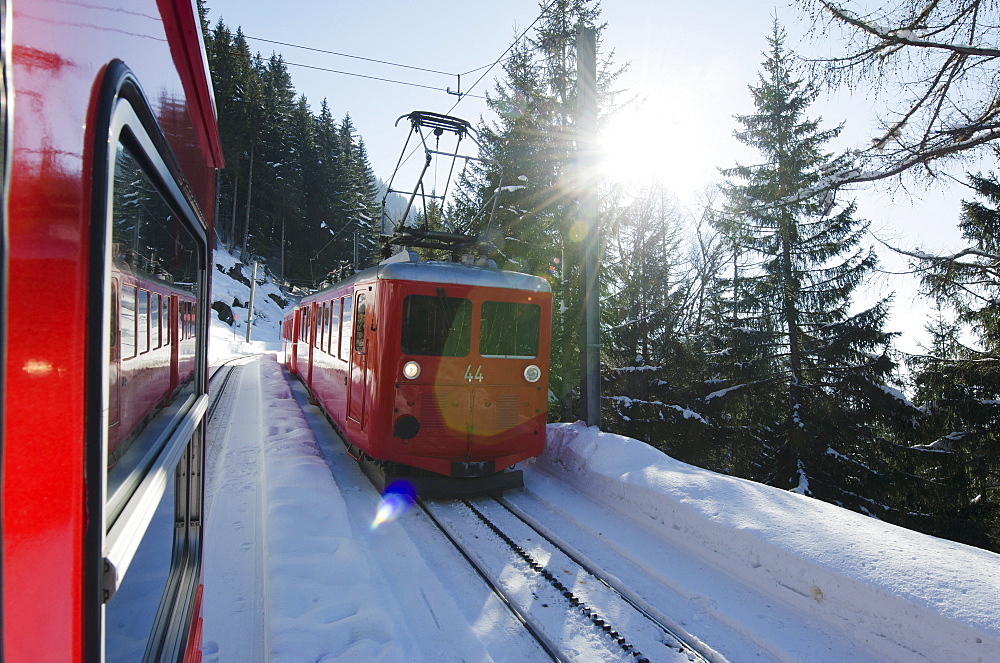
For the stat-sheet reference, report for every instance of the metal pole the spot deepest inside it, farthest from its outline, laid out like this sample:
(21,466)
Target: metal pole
(587,166)
(246,233)
(253,287)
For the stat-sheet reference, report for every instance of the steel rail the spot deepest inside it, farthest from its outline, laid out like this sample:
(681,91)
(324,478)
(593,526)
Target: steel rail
(550,648)
(693,647)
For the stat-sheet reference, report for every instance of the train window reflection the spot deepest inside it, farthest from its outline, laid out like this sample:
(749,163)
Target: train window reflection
(142,324)
(131,612)
(345,328)
(359,326)
(509,329)
(437,326)
(165,317)
(150,249)
(154,321)
(334,327)
(128,322)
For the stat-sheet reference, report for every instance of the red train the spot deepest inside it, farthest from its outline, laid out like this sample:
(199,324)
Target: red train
(432,371)
(110,151)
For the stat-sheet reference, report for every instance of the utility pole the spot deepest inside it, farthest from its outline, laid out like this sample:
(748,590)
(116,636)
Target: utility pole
(587,167)
(246,227)
(253,287)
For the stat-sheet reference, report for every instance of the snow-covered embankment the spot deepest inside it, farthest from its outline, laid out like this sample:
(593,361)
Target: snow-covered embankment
(905,595)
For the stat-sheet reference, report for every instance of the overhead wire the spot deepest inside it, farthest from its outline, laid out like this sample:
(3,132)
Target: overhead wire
(514,43)
(488,67)
(354,57)
(374,78)
(461,95)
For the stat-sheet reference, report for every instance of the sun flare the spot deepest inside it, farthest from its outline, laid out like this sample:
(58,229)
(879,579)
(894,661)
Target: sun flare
(653,143)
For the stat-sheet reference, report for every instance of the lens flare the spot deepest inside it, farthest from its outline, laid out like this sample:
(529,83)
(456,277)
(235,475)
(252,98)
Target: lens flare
(515,106)
(398,497)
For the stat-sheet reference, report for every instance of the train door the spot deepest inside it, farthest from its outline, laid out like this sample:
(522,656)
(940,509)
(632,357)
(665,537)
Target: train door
(310,339)
(358,382)
(114,363)
(173,337)
(294,341)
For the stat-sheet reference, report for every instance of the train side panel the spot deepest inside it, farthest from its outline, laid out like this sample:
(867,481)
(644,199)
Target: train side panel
(59,59)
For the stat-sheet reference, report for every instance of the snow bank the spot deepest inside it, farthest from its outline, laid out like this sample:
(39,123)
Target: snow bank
(320,599)
(906,595)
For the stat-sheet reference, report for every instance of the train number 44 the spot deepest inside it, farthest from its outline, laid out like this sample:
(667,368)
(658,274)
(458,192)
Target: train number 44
(478,376)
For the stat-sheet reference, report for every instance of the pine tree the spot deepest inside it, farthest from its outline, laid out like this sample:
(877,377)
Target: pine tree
(958,386)
(803,369)
(237,97)
(529,153)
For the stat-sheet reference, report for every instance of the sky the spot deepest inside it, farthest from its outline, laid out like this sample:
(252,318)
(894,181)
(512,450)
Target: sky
(750,571)
(689,65)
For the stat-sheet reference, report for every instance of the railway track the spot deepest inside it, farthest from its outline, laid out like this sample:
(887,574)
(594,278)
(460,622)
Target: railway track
(571,608)
(220,379)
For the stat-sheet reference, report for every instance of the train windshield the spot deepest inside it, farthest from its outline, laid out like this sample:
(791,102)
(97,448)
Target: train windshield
(437,326)
(509,330)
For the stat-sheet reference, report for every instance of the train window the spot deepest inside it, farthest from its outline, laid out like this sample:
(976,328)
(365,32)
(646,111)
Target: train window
(142,322)
(321,326)
(154,321)
(149,244)
(334,348)
(509,329)
(128,322)
(345,327)
(323,342)
(359,325)
(114,322)
(327,325)
(438,325)
(165,318)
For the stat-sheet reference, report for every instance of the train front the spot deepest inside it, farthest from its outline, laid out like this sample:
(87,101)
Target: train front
(470,372)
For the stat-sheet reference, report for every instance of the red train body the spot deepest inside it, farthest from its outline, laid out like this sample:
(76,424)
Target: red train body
(442,367)
(108,181)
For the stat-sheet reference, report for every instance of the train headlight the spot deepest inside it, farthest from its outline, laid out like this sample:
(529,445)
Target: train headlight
(411,370)
(532,373)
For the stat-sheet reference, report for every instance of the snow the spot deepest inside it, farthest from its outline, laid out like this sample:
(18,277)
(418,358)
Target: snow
(296,570)
(894,588)
(722,392)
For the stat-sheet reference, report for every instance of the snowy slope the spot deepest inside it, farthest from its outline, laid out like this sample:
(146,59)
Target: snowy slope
(265,335)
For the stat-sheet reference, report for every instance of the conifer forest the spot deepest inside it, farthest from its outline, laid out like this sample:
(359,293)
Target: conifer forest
(732,336)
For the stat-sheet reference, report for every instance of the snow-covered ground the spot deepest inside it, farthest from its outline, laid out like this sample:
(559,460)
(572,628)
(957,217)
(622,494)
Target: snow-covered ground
(295,570)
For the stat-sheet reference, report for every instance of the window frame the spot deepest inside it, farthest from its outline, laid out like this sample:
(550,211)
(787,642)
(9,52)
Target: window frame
(124,116)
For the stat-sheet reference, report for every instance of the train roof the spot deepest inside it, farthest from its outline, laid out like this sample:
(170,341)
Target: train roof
(459,273)
(456,273)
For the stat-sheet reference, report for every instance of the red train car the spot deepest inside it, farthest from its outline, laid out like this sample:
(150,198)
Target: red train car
(108,180)
(433,371)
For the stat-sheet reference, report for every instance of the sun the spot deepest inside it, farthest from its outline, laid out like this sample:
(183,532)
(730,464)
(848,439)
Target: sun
(654,142)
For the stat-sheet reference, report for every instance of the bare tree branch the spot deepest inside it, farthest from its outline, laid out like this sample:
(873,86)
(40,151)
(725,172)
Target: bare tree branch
(936,65)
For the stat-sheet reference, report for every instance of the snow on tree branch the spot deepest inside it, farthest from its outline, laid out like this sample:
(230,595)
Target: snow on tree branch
(935,64)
